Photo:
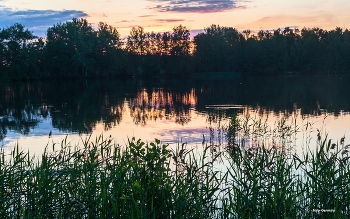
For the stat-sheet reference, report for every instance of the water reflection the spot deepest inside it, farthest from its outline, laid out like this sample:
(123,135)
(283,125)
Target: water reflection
(162,104)
(17,112)
(165,106)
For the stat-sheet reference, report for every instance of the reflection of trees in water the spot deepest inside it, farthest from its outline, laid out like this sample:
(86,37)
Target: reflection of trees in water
(114,117)
(17,112)
(82,112)
(308,95)
(78,105)
(72,108)
(162,104)
(22,125)
(3,130)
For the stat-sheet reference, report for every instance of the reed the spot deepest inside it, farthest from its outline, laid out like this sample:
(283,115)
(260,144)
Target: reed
(103,180)
(151,180)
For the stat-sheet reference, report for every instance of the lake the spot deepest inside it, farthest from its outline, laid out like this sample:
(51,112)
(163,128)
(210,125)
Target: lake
(175,111)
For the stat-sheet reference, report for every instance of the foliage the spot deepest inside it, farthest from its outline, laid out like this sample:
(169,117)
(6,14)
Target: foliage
(104,181)
(309,50)
(151,53)
(139,180)
(76,49)
(19,54)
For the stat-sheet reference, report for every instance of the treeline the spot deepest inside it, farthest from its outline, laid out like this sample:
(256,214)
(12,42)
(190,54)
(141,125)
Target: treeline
(308,50)
(76,49)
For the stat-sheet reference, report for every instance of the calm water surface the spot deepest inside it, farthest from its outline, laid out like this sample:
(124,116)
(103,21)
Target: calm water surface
(173,111)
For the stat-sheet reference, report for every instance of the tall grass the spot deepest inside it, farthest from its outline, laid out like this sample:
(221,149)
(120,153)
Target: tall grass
(140,180)
(103,180)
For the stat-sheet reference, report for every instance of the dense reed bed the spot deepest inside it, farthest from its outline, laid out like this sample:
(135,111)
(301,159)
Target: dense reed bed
(151,180)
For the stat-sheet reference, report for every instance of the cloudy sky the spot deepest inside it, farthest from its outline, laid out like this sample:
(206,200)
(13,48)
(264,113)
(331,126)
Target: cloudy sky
(163,15)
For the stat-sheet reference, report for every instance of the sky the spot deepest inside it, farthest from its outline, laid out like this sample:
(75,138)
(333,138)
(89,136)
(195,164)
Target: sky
(163,15)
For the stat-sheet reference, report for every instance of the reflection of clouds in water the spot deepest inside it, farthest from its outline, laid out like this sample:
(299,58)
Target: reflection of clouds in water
(41,130)
(44,128)
(8,141)
(187,135)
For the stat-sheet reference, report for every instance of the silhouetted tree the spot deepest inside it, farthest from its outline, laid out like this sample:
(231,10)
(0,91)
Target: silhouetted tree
(69,48)
(106,51)
(180,41)
(137,41)
(76,49)
(17,52)
(218,49)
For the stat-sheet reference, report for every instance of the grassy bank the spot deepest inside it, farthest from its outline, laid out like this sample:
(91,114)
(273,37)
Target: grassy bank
(139,180)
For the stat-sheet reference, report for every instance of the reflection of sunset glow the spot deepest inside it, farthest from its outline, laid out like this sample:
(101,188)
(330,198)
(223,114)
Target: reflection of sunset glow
(171,113)
(161,104)
(190,99)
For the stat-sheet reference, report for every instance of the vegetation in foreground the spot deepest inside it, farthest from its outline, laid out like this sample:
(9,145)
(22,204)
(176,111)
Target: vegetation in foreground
(139,180)
(75,50)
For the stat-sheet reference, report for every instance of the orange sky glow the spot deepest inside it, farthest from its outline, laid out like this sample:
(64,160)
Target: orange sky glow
(163,15)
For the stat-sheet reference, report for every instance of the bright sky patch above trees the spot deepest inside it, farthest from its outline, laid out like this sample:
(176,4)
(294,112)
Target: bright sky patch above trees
(163,15)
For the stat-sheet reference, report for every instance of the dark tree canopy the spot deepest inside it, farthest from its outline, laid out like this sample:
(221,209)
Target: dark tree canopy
(18,52)
(77,49)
